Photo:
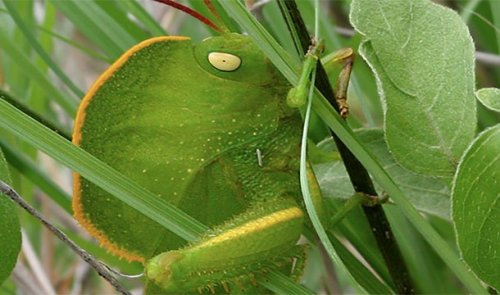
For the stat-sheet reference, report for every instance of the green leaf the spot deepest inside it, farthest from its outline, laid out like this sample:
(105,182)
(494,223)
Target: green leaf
(428,194)
(490,98)
(476,206)
(10,231)
(423,58)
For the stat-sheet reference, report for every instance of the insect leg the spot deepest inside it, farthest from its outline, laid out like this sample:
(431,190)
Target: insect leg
(297,96)
(246,245)
(344,57)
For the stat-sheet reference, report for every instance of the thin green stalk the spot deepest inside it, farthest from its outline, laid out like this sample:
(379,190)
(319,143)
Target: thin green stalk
(76,45)
(468,10)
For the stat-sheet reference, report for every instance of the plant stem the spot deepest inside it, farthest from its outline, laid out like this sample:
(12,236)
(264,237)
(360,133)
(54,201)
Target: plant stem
(358,175)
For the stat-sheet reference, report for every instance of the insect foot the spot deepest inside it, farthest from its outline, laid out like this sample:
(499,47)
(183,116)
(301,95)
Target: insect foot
(343,107)
(370,201)
(159,269)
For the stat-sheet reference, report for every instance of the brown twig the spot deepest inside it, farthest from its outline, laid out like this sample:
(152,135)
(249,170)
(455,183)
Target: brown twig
(101,269)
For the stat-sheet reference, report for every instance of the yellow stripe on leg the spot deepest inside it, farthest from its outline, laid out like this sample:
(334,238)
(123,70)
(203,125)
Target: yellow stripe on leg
(254,226)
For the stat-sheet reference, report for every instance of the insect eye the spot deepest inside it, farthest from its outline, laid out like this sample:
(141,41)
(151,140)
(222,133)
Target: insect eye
(224,61)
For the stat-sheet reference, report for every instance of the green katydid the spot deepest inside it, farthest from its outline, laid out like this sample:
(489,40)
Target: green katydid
(208,128)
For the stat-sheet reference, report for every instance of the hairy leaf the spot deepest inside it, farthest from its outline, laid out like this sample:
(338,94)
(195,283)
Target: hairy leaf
(423,59)
(428,194)
(490,98)
(476,206)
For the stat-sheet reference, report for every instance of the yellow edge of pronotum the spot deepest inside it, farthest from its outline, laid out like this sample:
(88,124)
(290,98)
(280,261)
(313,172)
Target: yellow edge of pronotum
(255,226)
(79,214)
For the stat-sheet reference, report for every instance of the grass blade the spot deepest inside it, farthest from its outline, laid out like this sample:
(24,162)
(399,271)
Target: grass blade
(38,48)
(35,175)
(96,25)
(143,16)
(31,71)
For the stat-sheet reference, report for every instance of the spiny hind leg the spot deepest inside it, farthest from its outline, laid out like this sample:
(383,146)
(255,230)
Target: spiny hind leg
(232,252)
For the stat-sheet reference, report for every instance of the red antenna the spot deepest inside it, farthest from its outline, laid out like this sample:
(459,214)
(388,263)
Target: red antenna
(194,13)
(210,5)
